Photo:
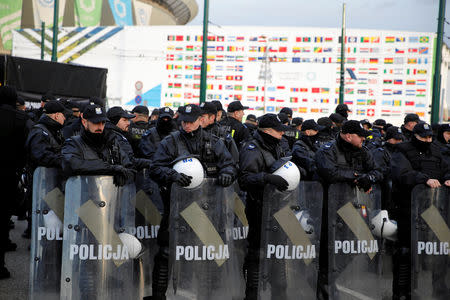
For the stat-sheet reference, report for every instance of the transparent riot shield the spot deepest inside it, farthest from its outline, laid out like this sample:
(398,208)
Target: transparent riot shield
(290,235)
(240,233)
(430,242)
(97,252)
(354,260)
(201,242)
(47,234)
(149,208)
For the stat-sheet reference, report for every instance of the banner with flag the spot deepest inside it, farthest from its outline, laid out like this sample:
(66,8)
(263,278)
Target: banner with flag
(88,13)
(10,16)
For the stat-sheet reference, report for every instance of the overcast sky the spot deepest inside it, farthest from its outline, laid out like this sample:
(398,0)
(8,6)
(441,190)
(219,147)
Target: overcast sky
(408,15)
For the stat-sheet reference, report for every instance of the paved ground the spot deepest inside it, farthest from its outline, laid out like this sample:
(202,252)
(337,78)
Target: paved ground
(18,264)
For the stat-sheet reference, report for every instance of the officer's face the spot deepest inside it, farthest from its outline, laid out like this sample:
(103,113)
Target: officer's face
(410,125)
(354,139)
(206,120)
(76,112)
(394,141)
(93,127)
(311,132)
(60,118)
(123,124)
(190,126)
(447,136)
(427,139)
(366,127)
(276,134)
(238,115)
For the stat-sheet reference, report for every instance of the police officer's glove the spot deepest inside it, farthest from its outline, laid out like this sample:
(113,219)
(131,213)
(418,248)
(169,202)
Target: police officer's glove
(181,179)
(225,179)
(277,181)
(122,175)
(364,181)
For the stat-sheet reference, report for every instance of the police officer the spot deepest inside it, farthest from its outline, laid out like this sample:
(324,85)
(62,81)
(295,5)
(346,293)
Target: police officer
(338,121)
(233,121)
(139,125)
(14,130)
(45,139)
(326,134)
(217,161)
(119,124)
(284,140)
(35,115)
(304,150)
(74,128)
(343,110)
(256,158)
(417,161)
(96,151)
(210,126)
(379,124)
(251,123)
(153,117)
(288,112)
(343,160)
(443,141)
(382,157)
(409,122)
(164,126)
(220,110)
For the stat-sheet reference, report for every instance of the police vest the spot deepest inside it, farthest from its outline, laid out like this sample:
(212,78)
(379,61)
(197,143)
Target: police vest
(155,136)
(268,157)
(427,163)
(207,157)
(110,154)
(53,142)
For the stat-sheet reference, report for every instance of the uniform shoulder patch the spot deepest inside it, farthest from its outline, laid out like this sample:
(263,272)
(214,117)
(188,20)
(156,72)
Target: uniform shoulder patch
(251,146)
(45,132)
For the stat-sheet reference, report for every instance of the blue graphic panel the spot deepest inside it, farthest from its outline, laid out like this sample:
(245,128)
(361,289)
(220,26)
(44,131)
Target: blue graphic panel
(150,98)
(121,10)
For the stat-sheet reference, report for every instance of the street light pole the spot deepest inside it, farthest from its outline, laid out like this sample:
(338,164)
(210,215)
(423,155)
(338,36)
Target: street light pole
(437,65)
(204,67)
(55,31)
(342,79)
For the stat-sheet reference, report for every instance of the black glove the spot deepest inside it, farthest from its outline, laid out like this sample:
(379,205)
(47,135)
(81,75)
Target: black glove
(181,179)
(277,181)
(225,179)
(122,175)
(364,181)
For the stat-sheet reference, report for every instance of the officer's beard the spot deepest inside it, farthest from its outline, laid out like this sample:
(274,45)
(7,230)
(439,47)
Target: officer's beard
(165,126)
(96,139)
(420,145)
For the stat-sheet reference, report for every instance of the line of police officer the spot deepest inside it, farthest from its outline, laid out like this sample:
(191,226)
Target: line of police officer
(331,150)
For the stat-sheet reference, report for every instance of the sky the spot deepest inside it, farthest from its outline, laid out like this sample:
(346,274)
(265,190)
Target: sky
(408,15)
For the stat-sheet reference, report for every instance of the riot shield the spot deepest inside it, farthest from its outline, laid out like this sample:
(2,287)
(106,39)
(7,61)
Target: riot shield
(240,233)
(354,260)
(430,242)
(97,252)
(290,235)
(47,234)
(149,208)
(201,242)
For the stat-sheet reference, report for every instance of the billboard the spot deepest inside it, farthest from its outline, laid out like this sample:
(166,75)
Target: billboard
(272,66)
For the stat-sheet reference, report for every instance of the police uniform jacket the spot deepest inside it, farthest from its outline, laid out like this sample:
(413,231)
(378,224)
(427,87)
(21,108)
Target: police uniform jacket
(239,132)
(445,150)
(338,161)
(303,154)
(222,133)
(150,141)
(44,143)
(212,153)
(137,130)
(81,156)
(72,128)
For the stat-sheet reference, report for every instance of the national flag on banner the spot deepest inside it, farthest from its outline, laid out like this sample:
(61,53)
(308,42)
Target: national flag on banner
(229,77)
(386,102)
(421,71)
(364,50)
(238,78)
(294,100)
(361,112)
(240,39)
(325,90)
(375,39)
(348,102)
(413,39)
(424,39)
(303,110)
(400,39)
(238,87)
(294,90)
(365,39)
(410,82)
(398,81)
(387,81)
(412,61)
(388,60)
(315,90)
(303,90)
(318,39)
(423,50)
(349,91)
(282,49)
(179,38)
(328,39)
(237,97)
(399,51)
(389,39)
(397,103)
(370,112)
(397,92)
(409,103)
(169,67)
(283,39)
(361,102)
(253,39)
(410,92)
(373,60)
(413,50)
(252,88)
(306,39)
(324,100)
(171,38)
(371,102)
(317,49)
(421,92)
(350,39)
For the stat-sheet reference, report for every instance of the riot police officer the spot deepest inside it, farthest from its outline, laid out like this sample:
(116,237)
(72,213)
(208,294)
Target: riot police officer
(233,121)
(45,139)
(256,158)
(343,110)
(251,123)
(418,161)
(443,141)
(190,140)
(409,122)
(164,126)
(343,160)
(139,125)
(96,151)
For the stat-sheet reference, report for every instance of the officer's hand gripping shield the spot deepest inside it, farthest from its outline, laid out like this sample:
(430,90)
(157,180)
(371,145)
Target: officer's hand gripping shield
(290,235)
(96,263)
(354,256)
(201,242)
(47,234)
(430,242)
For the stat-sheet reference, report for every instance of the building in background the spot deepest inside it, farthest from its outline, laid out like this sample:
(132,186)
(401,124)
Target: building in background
(160,66)
(16,14)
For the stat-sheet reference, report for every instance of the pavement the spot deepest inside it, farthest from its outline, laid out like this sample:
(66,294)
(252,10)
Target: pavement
(18,264)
